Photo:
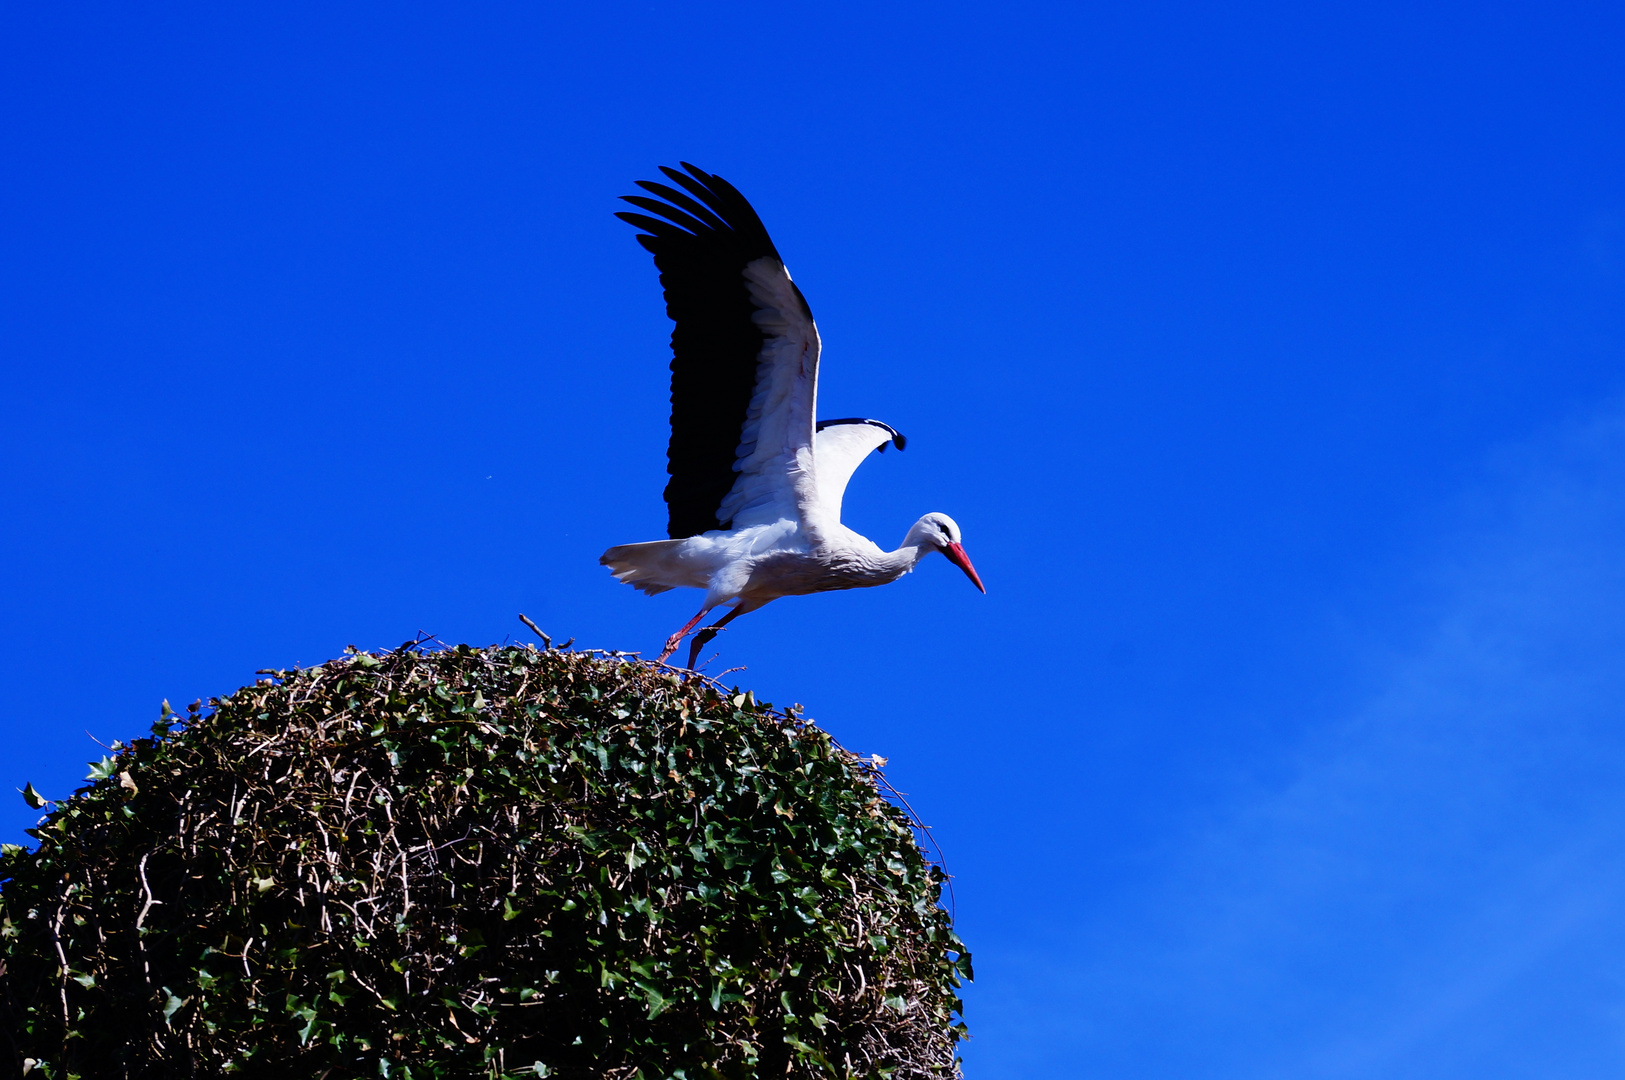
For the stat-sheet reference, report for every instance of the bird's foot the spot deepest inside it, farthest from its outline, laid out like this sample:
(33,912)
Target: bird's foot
(706,635)
(699,643)
(677,638)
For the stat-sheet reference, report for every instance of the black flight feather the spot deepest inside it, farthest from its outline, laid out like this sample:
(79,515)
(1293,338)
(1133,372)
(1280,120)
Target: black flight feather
(670,213)
(654,225)
(677,198)
(898,438)
(714,343)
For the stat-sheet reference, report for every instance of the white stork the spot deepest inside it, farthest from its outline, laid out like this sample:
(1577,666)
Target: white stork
(756,479)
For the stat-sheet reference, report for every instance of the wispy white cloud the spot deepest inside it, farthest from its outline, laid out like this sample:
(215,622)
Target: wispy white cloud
(1439,888)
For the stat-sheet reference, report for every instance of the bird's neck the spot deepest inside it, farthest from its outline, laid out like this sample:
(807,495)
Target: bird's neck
(894,564)
(860,561)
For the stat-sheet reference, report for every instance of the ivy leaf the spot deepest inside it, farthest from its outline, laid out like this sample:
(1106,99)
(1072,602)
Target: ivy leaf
(172,1005)
(33,798)
(658,1001)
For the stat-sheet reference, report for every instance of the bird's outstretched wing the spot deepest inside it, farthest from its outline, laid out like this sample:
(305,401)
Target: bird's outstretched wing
(838,449)
(744,369)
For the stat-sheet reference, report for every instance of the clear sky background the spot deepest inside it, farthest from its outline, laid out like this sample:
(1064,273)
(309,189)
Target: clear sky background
(1269,354)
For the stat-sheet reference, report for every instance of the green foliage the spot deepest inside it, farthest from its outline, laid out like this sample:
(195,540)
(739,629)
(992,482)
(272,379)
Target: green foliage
(478,863)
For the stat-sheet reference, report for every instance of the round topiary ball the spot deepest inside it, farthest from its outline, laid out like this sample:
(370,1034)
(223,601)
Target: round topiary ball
(494,862)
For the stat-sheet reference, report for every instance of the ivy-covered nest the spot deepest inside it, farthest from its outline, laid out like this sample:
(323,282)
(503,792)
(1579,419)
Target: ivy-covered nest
(468,862)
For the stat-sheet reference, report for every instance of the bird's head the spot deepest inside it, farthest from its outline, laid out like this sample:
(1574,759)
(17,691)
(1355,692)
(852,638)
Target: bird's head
(938,532)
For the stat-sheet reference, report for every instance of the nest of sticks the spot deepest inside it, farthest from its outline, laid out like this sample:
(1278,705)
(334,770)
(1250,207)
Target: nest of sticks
(467,862)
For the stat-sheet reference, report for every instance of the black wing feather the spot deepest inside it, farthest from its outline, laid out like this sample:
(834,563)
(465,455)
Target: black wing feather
(654,225)
(898,439)
(714,343)
(677,198)
(699,191)
(670,213)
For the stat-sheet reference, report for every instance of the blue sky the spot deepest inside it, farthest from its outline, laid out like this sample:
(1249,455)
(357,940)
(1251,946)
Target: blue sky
(1269,356)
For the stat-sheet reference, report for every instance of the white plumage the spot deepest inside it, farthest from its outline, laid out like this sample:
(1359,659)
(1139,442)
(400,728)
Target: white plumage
(757,480)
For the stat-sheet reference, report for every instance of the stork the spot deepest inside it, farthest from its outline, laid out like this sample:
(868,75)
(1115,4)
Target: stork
(754,501)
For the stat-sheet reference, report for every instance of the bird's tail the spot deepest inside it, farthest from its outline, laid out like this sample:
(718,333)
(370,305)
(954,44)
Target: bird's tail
(649,567)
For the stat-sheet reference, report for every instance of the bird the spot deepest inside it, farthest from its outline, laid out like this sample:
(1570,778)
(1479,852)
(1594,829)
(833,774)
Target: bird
(754,499)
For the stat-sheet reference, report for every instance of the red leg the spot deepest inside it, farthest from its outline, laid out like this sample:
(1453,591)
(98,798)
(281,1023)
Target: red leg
(710,632)
(677,638)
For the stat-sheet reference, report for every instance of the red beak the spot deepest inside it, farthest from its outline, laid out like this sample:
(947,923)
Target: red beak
(957,556)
